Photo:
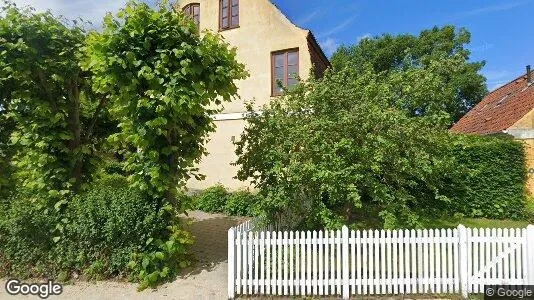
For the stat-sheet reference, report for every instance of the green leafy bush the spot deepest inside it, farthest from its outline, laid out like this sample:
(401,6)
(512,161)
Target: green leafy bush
(109,222)
(25,238)
(212,199)
(162,258)
(108,230)
(217,199)
(241,203)
(332,147)
(529,209)
(492,180)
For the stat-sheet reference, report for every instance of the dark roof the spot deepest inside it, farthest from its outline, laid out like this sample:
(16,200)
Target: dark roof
(499,110)
(311,38)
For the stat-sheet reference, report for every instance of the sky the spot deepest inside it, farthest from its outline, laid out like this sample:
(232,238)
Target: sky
(501,29)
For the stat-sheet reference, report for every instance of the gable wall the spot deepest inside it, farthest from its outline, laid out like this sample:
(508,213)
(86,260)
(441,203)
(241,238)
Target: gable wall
(262,29)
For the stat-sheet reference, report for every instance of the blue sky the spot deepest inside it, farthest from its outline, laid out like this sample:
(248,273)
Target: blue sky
(501,29)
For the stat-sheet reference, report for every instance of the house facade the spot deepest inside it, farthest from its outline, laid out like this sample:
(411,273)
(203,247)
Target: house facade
(507,110)
(273,49)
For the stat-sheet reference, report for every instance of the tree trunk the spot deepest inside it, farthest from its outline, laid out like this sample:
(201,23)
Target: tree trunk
(75,128)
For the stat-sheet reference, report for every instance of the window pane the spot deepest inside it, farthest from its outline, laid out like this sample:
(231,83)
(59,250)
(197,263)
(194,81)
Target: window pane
(225,22)
(292,71)
(279,60)
(277,89)
(224,4)
(291,82)
(187,10)
(235,21)
(292,58)
(279,73)
(225,13)
(235,2)
(196,10)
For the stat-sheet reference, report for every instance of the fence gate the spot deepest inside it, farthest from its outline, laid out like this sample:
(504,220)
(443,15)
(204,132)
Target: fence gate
(377,262)
(497,257)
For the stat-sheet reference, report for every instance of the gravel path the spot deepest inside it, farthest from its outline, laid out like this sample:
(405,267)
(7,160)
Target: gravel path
(207,279)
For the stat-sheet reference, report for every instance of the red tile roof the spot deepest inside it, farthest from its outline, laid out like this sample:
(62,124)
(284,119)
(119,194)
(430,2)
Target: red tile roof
(499,110)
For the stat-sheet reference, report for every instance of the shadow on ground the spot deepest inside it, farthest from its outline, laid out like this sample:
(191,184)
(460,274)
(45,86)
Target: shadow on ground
(211,241)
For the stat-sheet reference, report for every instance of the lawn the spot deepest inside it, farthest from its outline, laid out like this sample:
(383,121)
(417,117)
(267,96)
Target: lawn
(477,223)
(369,219)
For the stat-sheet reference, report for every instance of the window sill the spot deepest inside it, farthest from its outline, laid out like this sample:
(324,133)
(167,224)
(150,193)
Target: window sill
(229,28)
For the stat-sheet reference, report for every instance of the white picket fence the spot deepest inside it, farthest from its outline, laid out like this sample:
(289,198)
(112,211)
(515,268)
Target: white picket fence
(370,262)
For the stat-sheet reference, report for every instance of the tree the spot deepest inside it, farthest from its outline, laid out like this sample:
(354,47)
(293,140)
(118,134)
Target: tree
(333,148)
(162,77)
(437,56)
(46,99)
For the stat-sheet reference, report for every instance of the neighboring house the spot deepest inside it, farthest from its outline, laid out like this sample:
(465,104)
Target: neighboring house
(509,110)
(273,50)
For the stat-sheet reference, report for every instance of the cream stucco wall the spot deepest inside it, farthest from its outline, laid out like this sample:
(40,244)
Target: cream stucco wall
(262,30)
(526,124)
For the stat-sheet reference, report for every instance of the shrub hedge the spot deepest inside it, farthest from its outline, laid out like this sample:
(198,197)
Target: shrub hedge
(109,230)
(110,222)
(217,199)
(493,178)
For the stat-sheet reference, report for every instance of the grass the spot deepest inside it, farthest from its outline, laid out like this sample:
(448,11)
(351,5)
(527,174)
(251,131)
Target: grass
(369,219)
(477,223)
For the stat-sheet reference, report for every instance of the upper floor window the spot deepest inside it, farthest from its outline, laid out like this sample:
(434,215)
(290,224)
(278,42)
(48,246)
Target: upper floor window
(193,10)
(229,14)
(285,70)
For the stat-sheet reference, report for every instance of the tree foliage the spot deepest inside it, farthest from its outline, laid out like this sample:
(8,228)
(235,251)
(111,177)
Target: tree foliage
(148,84)
(47,102)
(161,77)
(493,178)
(333,147)
(437,57)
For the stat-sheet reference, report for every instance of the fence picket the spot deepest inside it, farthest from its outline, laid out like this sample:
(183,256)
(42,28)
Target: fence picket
(358,279)
(302,263)
(326,263)
(238,266)
(268,265)
(413,276)
(250,262)
(245,263)
(338,260)
(291,263)
(524,262)
(369,262)
(401,273)
(365,269)
(431,259)
(333,285)
(320,281)
(279,253)
(394,284)
(314,262)
(286,276)
(436,277)
(297,263)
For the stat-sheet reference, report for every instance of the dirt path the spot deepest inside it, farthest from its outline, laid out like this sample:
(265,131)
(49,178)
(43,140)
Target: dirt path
(207,279)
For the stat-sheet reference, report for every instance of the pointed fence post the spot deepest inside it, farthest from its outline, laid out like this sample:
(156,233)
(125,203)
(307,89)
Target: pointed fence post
(463,260)
(345,263)
(530,254)
(231,263)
